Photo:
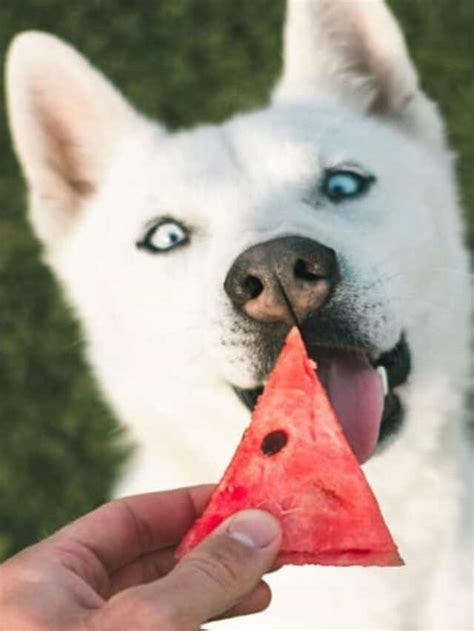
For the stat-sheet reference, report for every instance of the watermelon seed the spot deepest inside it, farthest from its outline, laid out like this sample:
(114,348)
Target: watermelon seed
(274,442)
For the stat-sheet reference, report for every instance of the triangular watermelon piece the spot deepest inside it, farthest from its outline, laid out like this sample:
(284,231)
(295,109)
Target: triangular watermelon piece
(294,461)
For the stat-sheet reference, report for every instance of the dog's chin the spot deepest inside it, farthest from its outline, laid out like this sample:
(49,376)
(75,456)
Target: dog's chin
(362,392)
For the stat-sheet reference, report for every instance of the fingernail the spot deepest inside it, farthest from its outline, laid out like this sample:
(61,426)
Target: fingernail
(254,528)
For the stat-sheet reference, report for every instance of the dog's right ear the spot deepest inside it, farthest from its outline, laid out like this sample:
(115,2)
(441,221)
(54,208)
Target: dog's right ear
(66,121)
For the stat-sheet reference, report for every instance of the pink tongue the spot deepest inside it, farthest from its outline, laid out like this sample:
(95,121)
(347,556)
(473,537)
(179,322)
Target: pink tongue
(356,393)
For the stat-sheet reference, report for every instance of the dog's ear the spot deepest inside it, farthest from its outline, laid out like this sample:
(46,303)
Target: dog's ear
(353,50)
(66,120)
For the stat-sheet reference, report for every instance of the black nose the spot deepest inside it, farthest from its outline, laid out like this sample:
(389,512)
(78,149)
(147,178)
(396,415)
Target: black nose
(271,280)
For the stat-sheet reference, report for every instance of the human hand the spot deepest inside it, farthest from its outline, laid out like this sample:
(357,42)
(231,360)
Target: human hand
(114,569)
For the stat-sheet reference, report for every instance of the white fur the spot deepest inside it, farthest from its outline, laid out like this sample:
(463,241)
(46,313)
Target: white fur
(161,335)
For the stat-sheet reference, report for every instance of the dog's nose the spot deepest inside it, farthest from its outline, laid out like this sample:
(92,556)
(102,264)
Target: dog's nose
(282,278)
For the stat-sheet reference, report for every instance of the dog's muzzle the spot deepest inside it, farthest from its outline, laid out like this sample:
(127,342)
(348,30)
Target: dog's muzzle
(289,281)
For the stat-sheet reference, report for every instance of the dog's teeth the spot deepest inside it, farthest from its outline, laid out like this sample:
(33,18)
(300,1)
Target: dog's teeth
(383,376)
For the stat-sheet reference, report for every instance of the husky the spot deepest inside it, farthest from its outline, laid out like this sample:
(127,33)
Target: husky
(188,255)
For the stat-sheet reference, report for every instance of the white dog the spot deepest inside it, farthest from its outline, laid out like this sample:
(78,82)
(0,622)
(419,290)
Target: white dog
(188,255)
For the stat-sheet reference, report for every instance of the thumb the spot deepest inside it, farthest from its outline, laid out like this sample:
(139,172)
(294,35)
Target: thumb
(222,569)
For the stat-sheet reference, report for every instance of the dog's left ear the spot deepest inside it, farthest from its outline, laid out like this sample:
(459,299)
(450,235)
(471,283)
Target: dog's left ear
(354,51)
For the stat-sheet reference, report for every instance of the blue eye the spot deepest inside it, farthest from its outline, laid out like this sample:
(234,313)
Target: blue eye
(164,236)
(345,184)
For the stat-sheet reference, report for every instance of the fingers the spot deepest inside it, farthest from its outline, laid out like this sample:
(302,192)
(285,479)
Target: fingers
(211,580)
(145,569)
(123,530)
(258,600)
(226,566)
(157,564)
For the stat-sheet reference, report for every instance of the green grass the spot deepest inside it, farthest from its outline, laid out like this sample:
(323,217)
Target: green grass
(183,61)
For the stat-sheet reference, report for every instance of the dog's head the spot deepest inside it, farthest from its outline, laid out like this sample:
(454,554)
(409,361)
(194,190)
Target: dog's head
(189,255)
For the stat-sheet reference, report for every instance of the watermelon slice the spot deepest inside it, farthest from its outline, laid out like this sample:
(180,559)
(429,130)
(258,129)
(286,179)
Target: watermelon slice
(294,461)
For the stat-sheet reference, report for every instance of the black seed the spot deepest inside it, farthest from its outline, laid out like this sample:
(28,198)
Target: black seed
(273,442)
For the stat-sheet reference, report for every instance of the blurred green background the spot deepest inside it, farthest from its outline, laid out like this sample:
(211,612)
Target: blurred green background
(184,61)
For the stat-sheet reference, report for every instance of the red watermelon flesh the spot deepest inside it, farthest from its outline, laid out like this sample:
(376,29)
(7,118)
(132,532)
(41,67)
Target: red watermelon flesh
(294,462)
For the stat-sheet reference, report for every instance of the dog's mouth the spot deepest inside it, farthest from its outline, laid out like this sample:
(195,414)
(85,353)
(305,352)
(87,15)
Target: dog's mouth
(361,390)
